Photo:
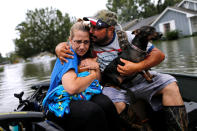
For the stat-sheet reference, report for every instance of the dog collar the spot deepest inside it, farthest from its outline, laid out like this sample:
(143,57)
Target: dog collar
(137,49)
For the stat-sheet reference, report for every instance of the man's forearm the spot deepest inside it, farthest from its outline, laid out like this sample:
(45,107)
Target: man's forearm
(154,58)
(63,51)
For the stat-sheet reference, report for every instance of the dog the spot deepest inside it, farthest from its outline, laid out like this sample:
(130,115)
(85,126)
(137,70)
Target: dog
(134,52)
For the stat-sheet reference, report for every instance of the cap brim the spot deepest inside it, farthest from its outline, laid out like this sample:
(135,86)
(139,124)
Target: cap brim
(85,18)
(92,20)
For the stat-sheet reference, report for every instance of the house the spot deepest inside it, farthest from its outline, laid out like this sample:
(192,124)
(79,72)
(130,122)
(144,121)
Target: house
(182,17)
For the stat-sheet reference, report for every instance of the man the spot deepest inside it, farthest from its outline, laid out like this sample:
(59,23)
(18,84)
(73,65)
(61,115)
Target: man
(106,47)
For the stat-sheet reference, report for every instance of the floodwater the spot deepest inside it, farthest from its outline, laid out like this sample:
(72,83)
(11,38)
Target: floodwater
(181,57)
(16,78)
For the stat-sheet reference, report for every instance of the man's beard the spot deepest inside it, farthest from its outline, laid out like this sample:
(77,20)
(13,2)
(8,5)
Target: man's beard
(100,42)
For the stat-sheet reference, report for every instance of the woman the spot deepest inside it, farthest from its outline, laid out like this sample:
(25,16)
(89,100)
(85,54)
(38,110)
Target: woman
(95,114)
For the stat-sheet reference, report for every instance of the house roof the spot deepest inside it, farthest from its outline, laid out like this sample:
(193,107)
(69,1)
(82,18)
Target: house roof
(135,24)
(127,25)
(194,1)
(143,22)
(189,13)
(185,10)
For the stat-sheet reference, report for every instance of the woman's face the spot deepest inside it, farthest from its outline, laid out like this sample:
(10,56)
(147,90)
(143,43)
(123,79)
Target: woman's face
(80,42)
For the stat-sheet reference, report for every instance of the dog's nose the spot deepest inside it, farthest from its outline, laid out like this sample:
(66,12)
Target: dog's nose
(160,34)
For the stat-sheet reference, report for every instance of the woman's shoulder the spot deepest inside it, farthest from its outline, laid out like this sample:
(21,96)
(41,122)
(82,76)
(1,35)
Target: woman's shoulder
(70,60)
(75,54)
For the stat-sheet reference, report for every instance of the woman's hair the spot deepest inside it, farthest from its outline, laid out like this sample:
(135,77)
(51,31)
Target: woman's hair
(81,25)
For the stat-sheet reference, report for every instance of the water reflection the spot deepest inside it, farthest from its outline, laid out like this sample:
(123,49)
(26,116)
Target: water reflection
(181,56)
(20,77)
(38,70)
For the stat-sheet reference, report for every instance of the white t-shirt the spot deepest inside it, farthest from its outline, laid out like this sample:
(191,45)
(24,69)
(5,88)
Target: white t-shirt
(107,53)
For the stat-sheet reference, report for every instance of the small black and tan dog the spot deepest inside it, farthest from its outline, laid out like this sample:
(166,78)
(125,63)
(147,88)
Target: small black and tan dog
(134,52)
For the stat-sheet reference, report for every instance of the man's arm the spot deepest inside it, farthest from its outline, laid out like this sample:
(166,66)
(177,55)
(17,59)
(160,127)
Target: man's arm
(63,50)
(154,58)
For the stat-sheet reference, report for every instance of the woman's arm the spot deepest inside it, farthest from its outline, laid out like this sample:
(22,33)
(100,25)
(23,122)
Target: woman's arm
(73,84)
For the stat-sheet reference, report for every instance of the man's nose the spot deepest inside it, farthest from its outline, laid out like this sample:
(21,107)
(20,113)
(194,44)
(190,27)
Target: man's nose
(91,30)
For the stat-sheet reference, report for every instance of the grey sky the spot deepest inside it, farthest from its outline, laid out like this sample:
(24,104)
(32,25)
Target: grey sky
(12,12)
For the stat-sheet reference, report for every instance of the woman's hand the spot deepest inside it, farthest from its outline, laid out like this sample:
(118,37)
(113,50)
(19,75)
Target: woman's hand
(63,50)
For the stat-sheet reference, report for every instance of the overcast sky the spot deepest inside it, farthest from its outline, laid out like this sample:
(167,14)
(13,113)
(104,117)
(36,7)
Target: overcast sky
(12,12)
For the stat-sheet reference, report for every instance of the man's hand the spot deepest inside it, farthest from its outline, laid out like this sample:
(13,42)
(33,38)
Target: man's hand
(129,68)
(154,58)
(63,50)
(91,65)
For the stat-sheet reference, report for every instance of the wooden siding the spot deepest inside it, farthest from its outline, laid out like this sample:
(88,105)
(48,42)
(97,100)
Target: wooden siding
(180,19)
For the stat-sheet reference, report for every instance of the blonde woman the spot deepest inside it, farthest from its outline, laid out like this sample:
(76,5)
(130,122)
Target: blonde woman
(86,115)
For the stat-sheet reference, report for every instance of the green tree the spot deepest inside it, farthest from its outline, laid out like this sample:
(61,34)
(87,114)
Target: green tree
(167,3)
(125,9)
(13,57)
(1,58)
(42,30)
(147,8)
(133,9)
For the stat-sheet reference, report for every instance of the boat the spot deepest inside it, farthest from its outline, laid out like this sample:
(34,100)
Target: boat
(188,88)
(29,115)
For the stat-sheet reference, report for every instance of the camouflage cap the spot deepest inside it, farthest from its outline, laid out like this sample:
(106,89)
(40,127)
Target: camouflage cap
(108,17)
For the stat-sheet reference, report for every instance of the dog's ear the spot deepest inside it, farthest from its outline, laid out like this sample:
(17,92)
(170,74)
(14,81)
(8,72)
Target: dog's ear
(135,32)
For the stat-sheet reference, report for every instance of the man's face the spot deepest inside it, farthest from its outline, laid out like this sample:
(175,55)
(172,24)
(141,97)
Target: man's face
(99,36)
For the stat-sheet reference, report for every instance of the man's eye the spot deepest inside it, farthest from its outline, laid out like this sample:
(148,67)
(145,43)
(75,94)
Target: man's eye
(86,42)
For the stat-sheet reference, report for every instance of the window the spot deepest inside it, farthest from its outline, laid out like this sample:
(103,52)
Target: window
(186,5)
(166,27)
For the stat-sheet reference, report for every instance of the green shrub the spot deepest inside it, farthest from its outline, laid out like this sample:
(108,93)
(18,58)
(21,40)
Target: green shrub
(172,35)
(1,69)
(194,34)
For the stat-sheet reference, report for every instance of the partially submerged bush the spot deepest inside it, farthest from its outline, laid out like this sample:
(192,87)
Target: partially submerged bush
(1,69)
(194,34)
(172,35)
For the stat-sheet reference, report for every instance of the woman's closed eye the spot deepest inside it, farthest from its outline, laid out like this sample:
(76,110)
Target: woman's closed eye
(81,41)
